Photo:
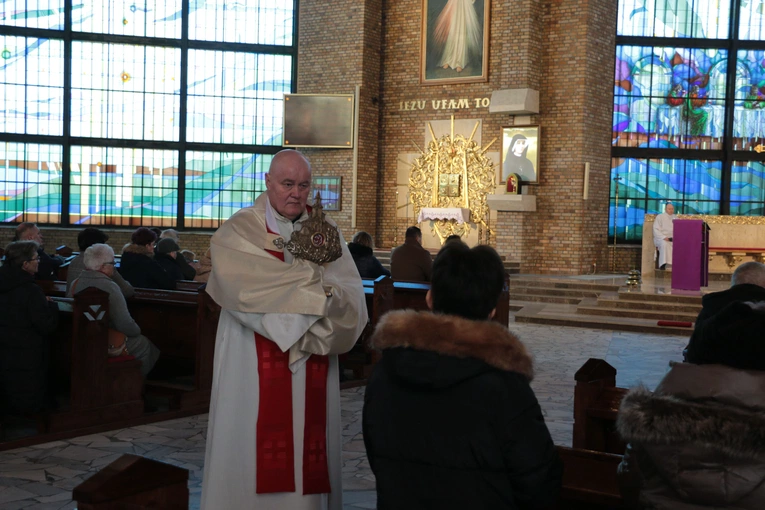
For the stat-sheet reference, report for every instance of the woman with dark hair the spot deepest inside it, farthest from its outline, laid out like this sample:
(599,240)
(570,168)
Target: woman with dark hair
(26,318)
(138,265)
(361,248)
(450,420)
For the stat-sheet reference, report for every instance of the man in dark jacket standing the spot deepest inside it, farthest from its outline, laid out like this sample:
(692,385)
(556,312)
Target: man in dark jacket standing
(450,420)
(410,261)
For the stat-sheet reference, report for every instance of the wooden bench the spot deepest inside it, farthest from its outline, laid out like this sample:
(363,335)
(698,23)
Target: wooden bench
(589,480)
(133,482)
(100,389)
(596,405)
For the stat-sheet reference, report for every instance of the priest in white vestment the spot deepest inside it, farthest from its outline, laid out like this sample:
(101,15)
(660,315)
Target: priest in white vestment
(274,436)
(662,234)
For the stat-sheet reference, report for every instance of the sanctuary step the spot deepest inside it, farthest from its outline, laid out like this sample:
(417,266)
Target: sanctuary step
(544,290)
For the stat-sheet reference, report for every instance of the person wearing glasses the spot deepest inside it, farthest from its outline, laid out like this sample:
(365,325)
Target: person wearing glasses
(27,317)
(99,272)
(85,240)
(49,264)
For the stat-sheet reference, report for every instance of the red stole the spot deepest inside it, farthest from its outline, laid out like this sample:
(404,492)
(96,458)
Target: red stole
(275,459)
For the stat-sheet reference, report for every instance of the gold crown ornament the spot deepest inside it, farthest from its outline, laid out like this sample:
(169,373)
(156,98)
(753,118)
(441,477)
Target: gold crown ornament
(317,241)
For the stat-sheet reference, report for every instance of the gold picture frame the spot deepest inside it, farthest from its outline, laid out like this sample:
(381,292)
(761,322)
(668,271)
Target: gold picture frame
(440,60)
(524,159)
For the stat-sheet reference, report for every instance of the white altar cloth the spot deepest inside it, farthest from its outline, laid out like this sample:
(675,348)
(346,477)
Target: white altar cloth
(458,214)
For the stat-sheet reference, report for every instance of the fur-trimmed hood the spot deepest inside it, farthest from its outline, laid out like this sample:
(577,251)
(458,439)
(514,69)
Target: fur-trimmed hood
(441,350)
(138,250)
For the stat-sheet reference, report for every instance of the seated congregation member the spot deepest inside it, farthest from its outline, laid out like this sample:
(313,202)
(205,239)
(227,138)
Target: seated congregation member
(85,240)
(361,250)
(450,420)
(187,270)
(204,266)
(49,264)
(138,265)
(731,321)
(99,269)
(166,256)
(27,317)
(411,261)
(696,442)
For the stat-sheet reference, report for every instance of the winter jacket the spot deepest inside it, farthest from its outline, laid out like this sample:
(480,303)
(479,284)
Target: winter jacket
(138,267)
(366,262)
(411,262)
(26,320)
(729,329)
(450,420)
(119,316)
(77,266)
(170,265)
(697,442)
(47,269)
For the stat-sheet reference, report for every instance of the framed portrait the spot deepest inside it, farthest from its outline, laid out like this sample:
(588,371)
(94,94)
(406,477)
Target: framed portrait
(454,41)
(331,189)
(316,120)
(520,153)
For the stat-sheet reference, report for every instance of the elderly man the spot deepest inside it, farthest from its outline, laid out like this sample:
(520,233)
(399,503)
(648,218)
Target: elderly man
(48,265)
(273,440)
(662,235)
(411,261)
(85,240)
(99,273)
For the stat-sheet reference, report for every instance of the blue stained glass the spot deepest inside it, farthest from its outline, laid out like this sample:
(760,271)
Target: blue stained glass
(674,18)
(34,14)
(669,97)
(145,18)
(243,21)
(117,186)
(30,182)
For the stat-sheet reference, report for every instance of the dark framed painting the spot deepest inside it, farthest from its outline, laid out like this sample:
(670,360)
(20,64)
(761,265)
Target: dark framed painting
(318,120)
(331,189)
(520,153)
(454,41)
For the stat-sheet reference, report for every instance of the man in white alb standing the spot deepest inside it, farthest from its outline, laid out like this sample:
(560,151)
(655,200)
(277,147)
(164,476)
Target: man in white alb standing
(662,235)
(273,440)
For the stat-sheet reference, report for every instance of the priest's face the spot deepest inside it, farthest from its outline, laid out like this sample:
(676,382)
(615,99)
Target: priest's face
(670,209)
(288,183)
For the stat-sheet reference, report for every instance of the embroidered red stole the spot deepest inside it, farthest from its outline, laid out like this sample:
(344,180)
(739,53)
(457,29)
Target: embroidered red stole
(275,456)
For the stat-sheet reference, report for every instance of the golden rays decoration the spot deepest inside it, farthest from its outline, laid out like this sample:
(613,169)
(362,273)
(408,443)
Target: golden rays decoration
(453,171)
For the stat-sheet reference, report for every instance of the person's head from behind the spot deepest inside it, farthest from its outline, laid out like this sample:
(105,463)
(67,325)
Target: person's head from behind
(749,272)
(466,282)
(143,237)
(414,234)
(28,232)
(669,208)
(23,255)
(189,255)
(172,234)
(168,246)
(89,237)
(452,238)
(288,183)
(99,257)
(364,239)
(157,231)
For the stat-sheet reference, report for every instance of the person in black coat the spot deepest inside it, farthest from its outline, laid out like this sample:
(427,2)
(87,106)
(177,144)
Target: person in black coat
(450,420)
(189,273)
(731,321)
(166,256)
(138,266)
(26,318)
(361,250)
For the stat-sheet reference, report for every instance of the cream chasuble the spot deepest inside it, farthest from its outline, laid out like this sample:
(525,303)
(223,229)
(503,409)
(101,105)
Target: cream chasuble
(286,302)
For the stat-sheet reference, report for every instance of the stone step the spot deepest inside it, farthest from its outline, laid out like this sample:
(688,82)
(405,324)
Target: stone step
(517,292)
(564,284)
(637,314)
(612,302)
(627,295)
(544,298)
(600,322)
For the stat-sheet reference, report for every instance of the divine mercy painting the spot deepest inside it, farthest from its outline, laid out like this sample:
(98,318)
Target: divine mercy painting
(454,41)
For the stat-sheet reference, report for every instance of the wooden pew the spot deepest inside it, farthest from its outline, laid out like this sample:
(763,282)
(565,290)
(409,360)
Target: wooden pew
(101,389)
(589,480)
(596,405)
(133,482)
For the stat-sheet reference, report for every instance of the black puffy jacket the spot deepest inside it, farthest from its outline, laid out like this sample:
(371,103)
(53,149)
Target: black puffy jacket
(450,420)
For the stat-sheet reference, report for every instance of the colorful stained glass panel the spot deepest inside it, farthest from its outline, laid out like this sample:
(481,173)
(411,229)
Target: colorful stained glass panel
(30,182)
(747,194)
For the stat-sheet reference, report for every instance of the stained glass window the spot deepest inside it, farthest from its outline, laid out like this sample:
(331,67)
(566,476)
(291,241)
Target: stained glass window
(30,188)
(154,104)
(128,187)
(747,194)
(31,85)
(707,19)
(219,184)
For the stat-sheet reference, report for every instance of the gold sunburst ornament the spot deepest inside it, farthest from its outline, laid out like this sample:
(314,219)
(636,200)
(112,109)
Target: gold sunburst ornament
(454,171)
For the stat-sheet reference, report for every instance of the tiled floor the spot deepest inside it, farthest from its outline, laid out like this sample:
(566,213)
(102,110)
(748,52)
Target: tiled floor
(42,477)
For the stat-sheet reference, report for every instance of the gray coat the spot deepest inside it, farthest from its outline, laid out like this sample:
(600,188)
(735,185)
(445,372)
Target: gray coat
(119,316)
(77,266)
